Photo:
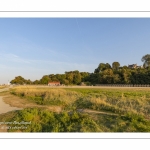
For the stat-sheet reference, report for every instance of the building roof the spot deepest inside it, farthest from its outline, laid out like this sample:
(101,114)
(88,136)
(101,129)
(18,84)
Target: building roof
(132,66)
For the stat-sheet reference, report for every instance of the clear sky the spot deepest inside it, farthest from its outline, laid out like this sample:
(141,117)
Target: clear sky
(33,47)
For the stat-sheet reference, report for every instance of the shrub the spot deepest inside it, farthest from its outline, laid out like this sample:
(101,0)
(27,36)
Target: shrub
(45,121)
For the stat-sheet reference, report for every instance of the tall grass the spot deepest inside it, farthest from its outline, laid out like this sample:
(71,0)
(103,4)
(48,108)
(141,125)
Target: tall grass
(3,86)
(118,101)
(115,110)
(47,96)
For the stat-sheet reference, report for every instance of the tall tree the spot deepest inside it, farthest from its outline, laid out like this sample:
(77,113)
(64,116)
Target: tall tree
(76,78)
(146,60)
(115,65)
(69,76)
(18,80)
(126,75)
(102,67)
(107,76)
(45,79)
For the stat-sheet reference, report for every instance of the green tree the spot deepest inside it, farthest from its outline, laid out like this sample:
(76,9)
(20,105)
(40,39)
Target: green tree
(36,82)
(28,81)
(107,76)
(115,65)
(69,77)
(102,67)
(45,79)
(126,75)
(84,76)
(18,80)
(77,78)
(146,60)
(107,66)
(125,67)
(116,78)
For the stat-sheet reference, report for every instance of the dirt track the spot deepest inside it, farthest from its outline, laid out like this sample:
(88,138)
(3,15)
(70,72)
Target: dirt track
(4,108)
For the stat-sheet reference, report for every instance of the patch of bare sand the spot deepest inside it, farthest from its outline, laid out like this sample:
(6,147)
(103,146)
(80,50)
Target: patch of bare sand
(3,128)
(96,112)
(4,108)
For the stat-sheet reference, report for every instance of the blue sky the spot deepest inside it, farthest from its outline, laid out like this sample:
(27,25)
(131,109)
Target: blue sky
(33,47)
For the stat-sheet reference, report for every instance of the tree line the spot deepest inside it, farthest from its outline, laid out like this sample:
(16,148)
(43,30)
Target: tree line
(103,74)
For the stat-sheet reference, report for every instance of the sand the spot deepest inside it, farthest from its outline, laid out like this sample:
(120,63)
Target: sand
(4,108)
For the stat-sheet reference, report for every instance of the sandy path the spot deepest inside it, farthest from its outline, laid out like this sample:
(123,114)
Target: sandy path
(4,108)
(99,112)
(96,112)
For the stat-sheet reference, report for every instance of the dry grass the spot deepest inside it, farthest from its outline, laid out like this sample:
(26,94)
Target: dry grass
(4,93)
(112,109)
(16,101)
(114,99)
(3,86)
(47,96)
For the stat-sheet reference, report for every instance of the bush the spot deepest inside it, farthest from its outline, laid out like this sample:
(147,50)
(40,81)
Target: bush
(45,121)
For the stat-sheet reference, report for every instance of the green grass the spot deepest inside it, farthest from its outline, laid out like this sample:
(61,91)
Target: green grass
(130,106)
(39,120)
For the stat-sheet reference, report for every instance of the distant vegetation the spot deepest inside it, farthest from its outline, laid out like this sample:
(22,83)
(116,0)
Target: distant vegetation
(103,74)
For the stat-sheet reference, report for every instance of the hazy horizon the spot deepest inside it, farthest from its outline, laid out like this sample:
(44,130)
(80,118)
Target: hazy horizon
(33,47)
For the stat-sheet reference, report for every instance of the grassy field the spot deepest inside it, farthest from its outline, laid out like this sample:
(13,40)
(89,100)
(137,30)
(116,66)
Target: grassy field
(3,86)
(72,109)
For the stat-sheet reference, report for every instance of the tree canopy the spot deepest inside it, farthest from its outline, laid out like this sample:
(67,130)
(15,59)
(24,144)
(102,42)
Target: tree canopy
(146,60)
(103,74)
(115,65)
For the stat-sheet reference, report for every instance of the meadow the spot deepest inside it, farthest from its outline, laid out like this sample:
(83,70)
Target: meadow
(2,86)
(81,109)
